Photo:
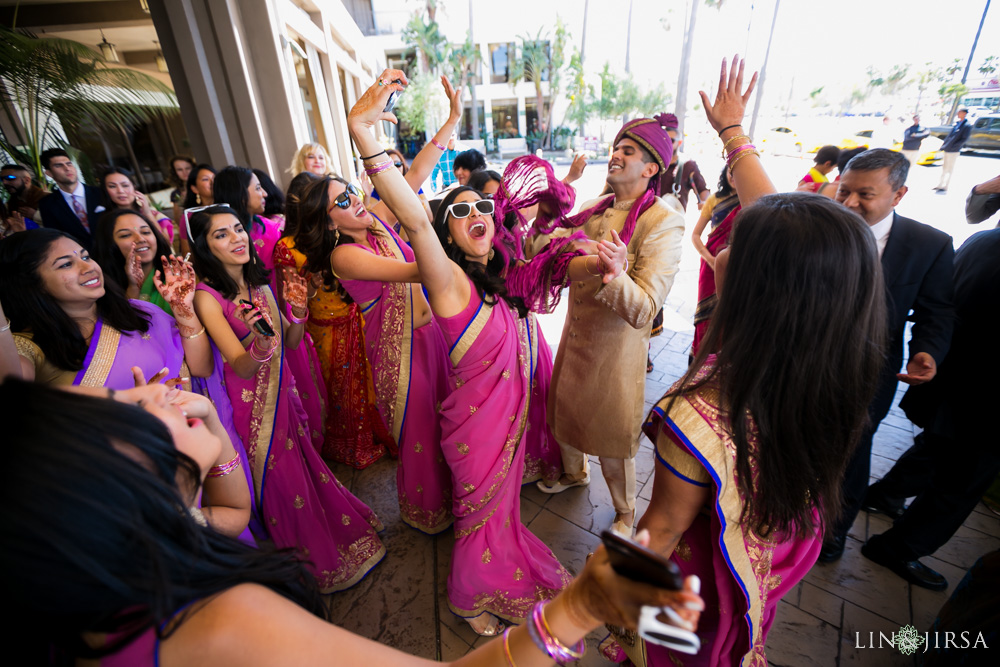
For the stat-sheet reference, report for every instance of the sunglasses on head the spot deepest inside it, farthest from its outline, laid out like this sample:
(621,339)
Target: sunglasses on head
(397,163)
(10,177)
(343,200)
(464,209)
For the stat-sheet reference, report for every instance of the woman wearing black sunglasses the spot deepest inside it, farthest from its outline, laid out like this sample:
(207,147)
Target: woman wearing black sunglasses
(499,569)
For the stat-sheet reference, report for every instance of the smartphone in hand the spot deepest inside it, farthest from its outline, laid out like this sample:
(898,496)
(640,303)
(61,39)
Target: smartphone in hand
(393,98)
(260,326)
(638,563)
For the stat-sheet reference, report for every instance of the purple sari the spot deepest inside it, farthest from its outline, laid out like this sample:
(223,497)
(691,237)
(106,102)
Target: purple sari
(300,502)
(498,565)
(112,353)
(542,458)
(743,575)
(410,370)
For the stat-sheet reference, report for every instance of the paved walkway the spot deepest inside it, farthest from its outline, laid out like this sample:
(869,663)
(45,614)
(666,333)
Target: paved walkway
(402,602)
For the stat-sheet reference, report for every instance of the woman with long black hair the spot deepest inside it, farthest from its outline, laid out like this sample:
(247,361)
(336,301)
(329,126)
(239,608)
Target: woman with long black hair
(299,502)
(74,327)
(107,563)
(241,190)
(131,250)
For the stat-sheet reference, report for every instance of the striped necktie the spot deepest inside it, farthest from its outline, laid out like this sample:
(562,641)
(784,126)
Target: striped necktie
(81,212)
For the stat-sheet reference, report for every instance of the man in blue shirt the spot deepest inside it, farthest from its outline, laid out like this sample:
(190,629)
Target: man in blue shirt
(445,167)
(952,145)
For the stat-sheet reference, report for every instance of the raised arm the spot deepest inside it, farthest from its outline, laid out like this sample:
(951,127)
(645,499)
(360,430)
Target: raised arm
(446,284)
(425,161)
(176,284)
(352,263)
(726,117)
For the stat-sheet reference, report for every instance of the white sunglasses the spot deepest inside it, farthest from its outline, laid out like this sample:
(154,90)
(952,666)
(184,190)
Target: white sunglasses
(464,209)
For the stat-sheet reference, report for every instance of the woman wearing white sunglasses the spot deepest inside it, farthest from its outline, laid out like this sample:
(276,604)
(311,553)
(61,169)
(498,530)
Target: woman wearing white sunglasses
(499,569)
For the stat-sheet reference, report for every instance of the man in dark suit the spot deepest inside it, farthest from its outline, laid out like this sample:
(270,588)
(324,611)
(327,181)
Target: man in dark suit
(917,269)
(951,147)
(955,459)
(73,207)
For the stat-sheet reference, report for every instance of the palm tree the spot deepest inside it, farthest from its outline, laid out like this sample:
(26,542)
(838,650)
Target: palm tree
(532,63)
(49,84)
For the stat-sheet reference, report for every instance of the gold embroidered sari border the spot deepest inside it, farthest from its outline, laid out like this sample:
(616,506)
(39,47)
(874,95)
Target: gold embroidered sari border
(104,357)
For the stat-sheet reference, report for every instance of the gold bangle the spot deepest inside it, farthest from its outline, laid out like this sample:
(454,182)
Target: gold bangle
(725,146)
(740,157)
(195,335)
(506,648)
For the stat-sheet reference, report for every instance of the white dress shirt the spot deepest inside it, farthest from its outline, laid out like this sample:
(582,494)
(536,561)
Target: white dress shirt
(79,193)
(881,231)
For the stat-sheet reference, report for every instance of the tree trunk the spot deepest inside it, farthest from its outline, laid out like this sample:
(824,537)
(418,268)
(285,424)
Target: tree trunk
(628,50)
(763,70)
(682,79)
(474,113)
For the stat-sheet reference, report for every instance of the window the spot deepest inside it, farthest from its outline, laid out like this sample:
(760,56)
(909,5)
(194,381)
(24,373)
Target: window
(995,125)
(531,115)
(543,60)
(466,131)
(505,119)
(500,57)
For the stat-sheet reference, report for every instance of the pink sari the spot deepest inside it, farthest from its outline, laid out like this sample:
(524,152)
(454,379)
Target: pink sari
(307,375)
(717,241)
(743,575)
(498,565)
(410,369)
(542,459)
(299,501)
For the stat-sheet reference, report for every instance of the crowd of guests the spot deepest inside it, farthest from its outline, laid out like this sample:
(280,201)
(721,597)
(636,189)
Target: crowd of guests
(176,383)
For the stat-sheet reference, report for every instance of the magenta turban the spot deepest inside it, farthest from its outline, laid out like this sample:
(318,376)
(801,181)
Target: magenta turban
(651,134)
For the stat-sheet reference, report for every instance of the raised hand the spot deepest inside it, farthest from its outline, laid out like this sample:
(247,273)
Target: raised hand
(369,109)
(730,105)
(133,268)
(613,255)
(176,284)
(455,97)
(576,169)
(296,292)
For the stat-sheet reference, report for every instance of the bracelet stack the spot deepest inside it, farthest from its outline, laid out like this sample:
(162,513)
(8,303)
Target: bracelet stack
(738,153)
(547,642)
(263,359)
(376,169)
(226,468)
(293,318)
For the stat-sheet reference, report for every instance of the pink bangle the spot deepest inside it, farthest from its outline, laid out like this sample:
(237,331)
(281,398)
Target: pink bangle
(293,319)
(260,360)
(739,149)
(226,468)
(378,168)
(437,144)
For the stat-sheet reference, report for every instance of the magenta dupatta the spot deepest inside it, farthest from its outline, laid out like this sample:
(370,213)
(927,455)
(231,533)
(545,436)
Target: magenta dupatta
(542,458)
(302,362)
(743,575)
(717,241)
(301,503)
(410,373)
(498,565)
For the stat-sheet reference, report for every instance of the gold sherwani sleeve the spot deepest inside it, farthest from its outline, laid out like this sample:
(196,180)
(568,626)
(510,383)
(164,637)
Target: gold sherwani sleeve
(638,295)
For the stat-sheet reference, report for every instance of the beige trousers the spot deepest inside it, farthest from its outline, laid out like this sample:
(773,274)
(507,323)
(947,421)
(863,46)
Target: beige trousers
(946,168)
(912,157)
(619,474)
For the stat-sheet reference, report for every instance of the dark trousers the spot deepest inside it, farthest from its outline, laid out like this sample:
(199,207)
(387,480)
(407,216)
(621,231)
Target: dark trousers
(948,475)
(858,471)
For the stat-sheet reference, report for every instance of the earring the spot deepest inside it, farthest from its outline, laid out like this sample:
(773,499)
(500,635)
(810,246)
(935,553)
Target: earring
(336,236)
(490,256)
(449,239)
(197,199)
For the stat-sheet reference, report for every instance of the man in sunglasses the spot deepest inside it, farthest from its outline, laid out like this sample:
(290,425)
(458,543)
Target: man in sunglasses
(602,353)
(24,194)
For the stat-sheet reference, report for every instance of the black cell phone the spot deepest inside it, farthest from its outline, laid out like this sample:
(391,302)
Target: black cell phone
(393,98)
(260,326)
(638,563)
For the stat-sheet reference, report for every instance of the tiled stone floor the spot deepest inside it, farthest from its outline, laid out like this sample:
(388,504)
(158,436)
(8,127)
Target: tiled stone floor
(402,602)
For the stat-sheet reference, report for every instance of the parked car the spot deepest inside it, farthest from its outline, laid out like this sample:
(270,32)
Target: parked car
(780,141)
(985,135)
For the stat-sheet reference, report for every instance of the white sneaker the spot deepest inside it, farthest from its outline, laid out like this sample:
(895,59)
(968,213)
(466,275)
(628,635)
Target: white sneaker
(559,487)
